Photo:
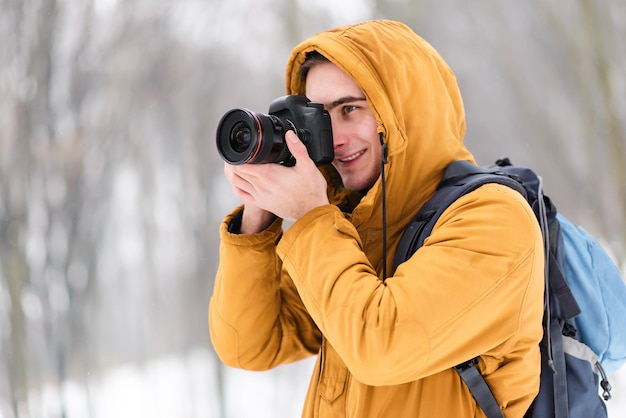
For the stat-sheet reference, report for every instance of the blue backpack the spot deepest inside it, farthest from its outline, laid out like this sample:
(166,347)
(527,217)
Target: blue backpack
(585,298)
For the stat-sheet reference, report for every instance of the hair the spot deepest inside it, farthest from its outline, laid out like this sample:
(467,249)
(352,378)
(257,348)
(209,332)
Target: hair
(311,60)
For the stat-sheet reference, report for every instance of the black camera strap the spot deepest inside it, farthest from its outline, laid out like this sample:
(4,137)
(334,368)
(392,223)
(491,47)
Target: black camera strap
(383,161)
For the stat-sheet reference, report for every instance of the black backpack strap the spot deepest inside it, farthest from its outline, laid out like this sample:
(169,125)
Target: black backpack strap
(543,207)
(559,288)
(559,376)
(567,306)
(459,178)
(479,389)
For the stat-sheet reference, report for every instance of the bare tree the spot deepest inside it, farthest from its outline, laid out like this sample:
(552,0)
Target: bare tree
(111,189)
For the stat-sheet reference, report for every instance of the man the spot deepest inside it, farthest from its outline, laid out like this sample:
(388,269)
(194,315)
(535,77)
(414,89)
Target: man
(387,341)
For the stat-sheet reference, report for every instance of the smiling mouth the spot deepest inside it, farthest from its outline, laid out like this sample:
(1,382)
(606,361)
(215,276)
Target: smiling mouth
(351,157)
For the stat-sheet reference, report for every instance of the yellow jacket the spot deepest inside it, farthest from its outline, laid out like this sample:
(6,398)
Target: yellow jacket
(386,348)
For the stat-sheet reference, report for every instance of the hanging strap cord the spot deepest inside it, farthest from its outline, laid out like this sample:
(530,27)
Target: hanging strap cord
(383,161)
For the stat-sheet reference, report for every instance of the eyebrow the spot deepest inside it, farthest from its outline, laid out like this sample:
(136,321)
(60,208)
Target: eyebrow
(343,100)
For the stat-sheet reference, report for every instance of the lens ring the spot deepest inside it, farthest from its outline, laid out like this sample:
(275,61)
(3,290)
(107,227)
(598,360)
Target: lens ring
(246,137)
(238,136)
(259,136)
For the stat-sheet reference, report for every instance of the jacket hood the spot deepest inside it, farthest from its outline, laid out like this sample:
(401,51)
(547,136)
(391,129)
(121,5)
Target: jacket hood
(416,101)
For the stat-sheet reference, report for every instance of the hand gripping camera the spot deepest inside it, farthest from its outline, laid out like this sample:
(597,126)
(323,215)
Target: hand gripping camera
(244,136)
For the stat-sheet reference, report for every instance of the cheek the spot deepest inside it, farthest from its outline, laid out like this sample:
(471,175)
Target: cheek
(376,165)
(371,133)
(377,153)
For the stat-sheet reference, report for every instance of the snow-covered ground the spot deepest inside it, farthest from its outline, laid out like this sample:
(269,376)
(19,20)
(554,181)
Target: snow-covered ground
(172,387)
(187,387)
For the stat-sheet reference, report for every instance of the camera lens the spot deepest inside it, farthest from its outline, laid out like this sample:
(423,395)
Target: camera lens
(240,137)
(247,137)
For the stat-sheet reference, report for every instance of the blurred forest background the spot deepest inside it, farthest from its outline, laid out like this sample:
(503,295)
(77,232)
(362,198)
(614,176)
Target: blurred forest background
(111,190)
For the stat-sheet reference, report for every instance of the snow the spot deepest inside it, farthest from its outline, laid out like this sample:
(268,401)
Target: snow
(174,387)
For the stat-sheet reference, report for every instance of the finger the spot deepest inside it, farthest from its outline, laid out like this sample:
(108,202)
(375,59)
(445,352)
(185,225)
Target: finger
(228,171)
(248,172)
(230,174)
(296,147)
(239,183)
(235,175)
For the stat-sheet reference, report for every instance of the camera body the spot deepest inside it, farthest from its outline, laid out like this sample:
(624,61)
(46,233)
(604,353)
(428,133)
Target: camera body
(244,136)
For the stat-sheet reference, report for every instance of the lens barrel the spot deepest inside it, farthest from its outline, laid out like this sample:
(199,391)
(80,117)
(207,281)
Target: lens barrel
(244,137)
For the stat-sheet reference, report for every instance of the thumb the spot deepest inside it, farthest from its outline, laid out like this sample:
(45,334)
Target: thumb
(296,147)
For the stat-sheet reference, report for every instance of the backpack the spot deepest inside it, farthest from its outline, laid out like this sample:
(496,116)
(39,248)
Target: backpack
(584,300)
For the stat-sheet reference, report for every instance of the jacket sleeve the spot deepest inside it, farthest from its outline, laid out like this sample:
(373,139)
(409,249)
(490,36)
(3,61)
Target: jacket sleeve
(256,318)
(474,288)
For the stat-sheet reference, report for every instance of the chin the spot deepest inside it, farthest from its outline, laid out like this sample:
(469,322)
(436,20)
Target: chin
(355,186)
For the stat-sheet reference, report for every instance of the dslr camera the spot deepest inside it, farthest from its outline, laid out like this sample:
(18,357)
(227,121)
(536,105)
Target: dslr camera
(244,136)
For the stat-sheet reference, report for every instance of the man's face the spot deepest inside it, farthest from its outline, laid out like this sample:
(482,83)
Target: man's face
(358,152)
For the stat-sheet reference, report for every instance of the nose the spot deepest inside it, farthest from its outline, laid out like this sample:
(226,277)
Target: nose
(340,136)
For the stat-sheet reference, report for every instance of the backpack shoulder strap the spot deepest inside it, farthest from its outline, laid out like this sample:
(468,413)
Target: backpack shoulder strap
(459,178)
(478,388)
(546,214)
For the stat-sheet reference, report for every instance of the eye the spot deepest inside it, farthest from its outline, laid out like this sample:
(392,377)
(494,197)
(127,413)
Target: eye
(349,109)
